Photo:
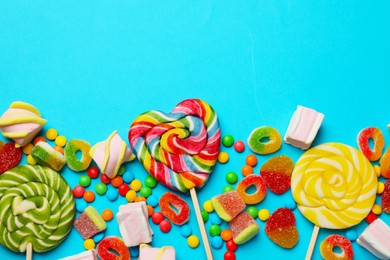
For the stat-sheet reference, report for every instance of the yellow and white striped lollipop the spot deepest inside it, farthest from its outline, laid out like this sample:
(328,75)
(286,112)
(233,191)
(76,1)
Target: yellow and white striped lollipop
(334,185)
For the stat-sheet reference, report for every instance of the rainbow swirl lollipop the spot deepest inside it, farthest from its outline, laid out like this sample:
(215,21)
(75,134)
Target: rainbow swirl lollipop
(180,148)
(334,185)
(36,208)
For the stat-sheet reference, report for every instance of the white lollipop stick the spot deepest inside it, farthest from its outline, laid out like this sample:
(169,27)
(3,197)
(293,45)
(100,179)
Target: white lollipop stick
(203,233)
(29,251)
(312,244)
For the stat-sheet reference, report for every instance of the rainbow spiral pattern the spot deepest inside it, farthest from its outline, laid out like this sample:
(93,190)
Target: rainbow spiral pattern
(334,185)
(179,149)
(36,206)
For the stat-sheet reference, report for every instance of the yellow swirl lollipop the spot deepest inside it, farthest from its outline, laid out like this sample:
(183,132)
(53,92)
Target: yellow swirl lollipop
(334,185)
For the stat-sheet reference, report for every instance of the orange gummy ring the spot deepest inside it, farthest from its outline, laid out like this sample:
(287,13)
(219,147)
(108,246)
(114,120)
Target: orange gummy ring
(376,135)
(336,241)
(169,200)
(248,181)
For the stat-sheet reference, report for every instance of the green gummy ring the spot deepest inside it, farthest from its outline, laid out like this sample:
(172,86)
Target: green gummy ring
(258,146)
(71,148)
(36,206)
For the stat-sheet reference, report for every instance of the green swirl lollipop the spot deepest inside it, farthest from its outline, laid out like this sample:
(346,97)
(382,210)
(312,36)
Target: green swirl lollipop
(37,209)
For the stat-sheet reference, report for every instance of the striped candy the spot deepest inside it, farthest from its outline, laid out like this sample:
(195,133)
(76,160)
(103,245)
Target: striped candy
(21,122)
(334,185)
(36,206)
(179,149)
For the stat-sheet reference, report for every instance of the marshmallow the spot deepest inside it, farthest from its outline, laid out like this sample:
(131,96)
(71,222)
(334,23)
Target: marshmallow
(303,127)
(375,238)
(146,252)
(133,224)
(110,154)
(21,122)
(86,255)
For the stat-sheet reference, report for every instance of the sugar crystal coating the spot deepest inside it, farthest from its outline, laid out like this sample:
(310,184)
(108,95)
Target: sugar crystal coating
(248,181)
(326,248)
(281,229)
(169,200)
(386,197)
(277,173)
(243,228)
(375,134)
(109,245)
(89,223)
(228,205)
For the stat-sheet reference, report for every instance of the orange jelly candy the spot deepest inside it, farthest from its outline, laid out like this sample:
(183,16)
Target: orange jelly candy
(248,181)
(169,200)
(384,163)
(374,134)
(113,248)
(336,241)
(277,173)
(281,228)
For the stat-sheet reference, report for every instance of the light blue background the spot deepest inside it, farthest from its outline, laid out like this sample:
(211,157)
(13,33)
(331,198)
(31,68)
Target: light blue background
(92,66)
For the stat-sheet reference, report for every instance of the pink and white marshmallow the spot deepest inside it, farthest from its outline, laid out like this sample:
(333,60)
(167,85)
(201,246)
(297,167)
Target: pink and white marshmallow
(376,239)
(133,224)
(303,127)
(21,122)
(86,255)
(110,154)
(147,252)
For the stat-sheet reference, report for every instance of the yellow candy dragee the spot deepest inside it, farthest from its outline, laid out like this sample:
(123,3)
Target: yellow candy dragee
(334,185)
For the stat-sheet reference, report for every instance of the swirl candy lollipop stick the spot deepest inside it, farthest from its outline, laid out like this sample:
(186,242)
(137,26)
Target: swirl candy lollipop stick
(180,148)
(36,209)
(334,186)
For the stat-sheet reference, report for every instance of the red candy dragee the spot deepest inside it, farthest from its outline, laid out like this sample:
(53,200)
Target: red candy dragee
(179,149)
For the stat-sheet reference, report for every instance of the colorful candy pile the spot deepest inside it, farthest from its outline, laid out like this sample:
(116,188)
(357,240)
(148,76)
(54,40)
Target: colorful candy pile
(333,185)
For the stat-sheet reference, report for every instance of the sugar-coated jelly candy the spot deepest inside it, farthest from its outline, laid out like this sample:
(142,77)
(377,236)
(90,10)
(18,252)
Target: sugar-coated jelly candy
(113,248)
(327,246)
(169,200)
(384,163)
(71,149)
(45,155)
(375,134)
(281,228)
(243,228)
(264,140)
(386,197)
(248,181)
(277,173)
(89,223)
(10,156)
(228,205)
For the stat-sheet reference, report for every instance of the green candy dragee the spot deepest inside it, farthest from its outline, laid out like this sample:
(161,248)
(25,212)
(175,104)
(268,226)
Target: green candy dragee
(36,206)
